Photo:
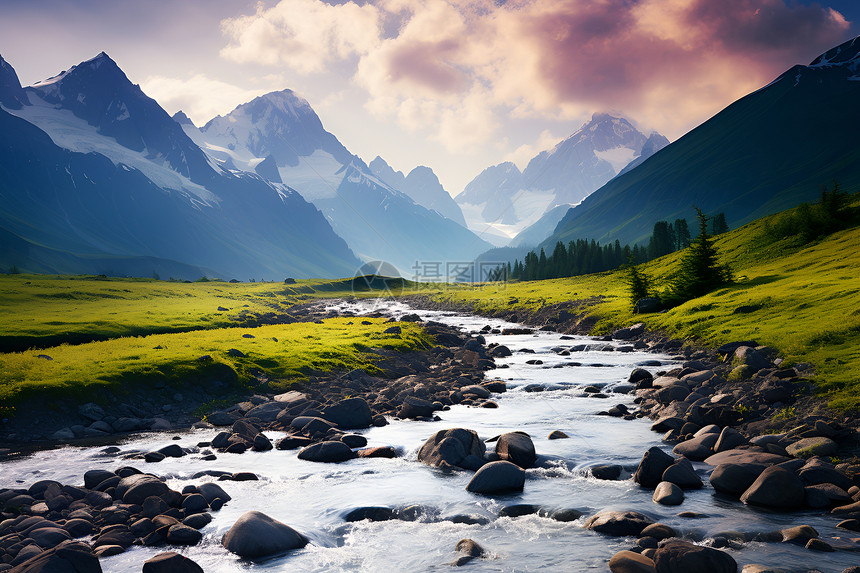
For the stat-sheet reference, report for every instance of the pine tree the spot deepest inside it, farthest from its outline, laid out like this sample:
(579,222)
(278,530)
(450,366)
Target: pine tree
(637,284)
(719,225)
(682,234)
(700,272)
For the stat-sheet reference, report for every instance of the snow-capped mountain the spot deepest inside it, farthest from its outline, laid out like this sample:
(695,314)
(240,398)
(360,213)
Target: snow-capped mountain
(766,152)
(96,177)
(422,186)
(509,200)
(280,131)
(12,95)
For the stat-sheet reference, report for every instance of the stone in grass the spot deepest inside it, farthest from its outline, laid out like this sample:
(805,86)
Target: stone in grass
(808,447)
(256,535)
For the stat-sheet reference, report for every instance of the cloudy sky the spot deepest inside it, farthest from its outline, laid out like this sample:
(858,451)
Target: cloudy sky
(456,85)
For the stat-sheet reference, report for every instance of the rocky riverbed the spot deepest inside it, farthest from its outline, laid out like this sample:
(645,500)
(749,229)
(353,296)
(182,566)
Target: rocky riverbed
(502,447)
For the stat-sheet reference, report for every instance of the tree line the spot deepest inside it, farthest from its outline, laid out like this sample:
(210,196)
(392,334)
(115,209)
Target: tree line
(586,256)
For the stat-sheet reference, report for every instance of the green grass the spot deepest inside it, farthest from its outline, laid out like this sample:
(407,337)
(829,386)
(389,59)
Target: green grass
(44,311)
(808,298)
(285,352)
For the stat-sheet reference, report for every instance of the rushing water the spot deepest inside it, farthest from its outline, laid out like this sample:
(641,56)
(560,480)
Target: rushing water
(313,497)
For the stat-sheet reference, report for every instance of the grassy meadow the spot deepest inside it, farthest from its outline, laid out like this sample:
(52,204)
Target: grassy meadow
(139,331)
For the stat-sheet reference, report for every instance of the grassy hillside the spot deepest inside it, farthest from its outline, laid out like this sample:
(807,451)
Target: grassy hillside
(806,300)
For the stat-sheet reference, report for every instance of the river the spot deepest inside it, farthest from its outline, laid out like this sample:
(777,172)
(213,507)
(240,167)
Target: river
(313,497)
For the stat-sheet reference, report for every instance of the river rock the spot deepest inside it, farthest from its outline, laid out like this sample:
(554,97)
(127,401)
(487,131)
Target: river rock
(93,478)
(497,477)
(815,475)
(448,448)
(349,414)
(171,562)
(371,513)
(327,452)
(414,407)
(212,492)
(516,447)
(775,487)
(745,355)
(658,531)
(618,523)
(808,447)
(651,467)
(71,557)
(629,332)
(798,534)
(266,412)
(745,457)
(735,478)
(667,493)
(469,549)
(256,535)
(136,488)
(220,418)
(676,556)
(755,568)
(729,439)
(698,448)
(608,472)
(631,562)
(683,475)
(179,534)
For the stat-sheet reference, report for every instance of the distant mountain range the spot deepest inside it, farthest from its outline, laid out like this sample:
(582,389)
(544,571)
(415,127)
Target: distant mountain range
(97,177)
(280,137)
(508,201)
(768,151)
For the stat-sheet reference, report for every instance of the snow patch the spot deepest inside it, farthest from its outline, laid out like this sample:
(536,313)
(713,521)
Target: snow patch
(617,157)
(71,132)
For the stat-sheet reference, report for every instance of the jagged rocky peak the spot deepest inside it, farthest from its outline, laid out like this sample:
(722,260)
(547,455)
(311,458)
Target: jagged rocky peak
(12,95)
(281,124)
(182,119)
(847,53)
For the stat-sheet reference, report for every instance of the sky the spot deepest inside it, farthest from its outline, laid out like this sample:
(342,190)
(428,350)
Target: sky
(456,85)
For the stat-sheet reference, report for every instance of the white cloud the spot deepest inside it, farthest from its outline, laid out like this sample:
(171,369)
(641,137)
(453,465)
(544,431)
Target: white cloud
(200,97)
(303,34)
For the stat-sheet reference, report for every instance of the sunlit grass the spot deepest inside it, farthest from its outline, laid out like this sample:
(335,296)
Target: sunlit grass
(285,352)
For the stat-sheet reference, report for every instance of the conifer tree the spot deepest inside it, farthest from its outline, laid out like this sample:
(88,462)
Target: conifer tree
(700,272)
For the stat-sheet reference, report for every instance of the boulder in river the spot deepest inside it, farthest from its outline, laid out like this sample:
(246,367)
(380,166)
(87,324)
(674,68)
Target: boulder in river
(171,562)
(776,487)
(735,478)
(676,556)
(651,468)
(667,493)
(683,475)
(618,523)
(327,452)
(70,556)
(450,448)
(518,448)
(698,448)
(256,535)
(349,414)
(497,477)
(631,562)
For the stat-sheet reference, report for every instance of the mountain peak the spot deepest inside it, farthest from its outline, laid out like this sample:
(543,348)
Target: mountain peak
(12,95)
(845,53)
(182,119)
